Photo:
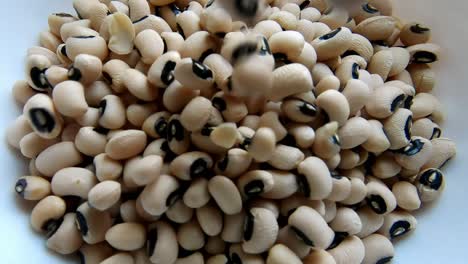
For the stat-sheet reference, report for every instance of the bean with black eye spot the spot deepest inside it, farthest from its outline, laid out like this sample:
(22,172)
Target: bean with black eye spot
(430,183)
(350,250)
(191,165)
(415,33)
(157,197)
(380,198)
(316,178)
(398,128)
(161,72)
(162,243)
(47,214)
(58,156)
(226,194)
(415,154)
(235,162)
(112,112)
(424,53)
(397,224)
(260,230)
(66,239)
(32,188)
(112,72)
(36,65)
(310,227)
(193,74)
(156,125)
(177,136)
(254,183)
(43,117)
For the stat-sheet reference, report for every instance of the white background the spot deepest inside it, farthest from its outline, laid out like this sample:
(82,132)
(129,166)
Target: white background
(442,233)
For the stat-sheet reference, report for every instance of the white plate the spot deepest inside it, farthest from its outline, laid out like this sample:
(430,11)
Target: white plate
(442,233)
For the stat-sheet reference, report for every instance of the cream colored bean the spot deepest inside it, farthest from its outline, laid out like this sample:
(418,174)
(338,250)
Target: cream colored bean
(346,221)
(113,73)
(406,195)
(66,239)
(158,196)
(151,22)
(162,243)
(260,231)
(377,141)
(42,116)
(176,96)
(126,144)
(161,72)
(142,171)
(332,44)
(381,63)
(32,144)
(286,157)
(94,253)
(104,195)
(93,224)
(179,213)
(56,157)
(335,105)
(92,45)
(315,180)
(290,204)
(119,258)
(254,183)
(424,53)
(107,168)
(358,192)
(376,28)
(288,237)
(380,198)
(415,154)
(287,20)
(398,128)
(32,188)
(191,165)
(196,113)
(385,166)
(234,163)
(290,79)
(310,227)
(69,99)
(282,254)
(73,181)
(371,222)
(195,258)
(319,256)
(17,131)
(210,219)
(385,250)
(47,213)
(138,113)
(96,91)
(351,250)
(193,74)
(262,144)
(422,76)
(22,91)
(397,224)
(354,132)
(190,236)
(327,142)
(90,141)
(303,135)
(430,184)
(226,195)
(126,236)
(341,188)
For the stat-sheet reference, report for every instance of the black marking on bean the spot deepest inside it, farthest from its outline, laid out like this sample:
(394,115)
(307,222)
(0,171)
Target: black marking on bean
(206,131)
(198,167)
(51,226)
(235,259)
(408,101)
(74,74)
(436,133)
(165,45)
(102,107)
(152,240)
(183,253)
(140,19)
(431,178)
(303,184)
(107,77)
(42,120)
(38,78)
(399,228)
(335,175)
(84,37)
(81,223)
(63,50)
(201,70)
(219,104)
(377,203)
(245,143)
(81,257)
(175,9)
(302,236)
(20,187)
(413,148)
(248,226)
(265,47)
(101,130)
(254,188)
(304,4)
(167,74)
(418,29)
(247,7)
(223,163)
(210,2)
(308,109)
(243,50)
(369,8)
(337,239)
(229,83)
(424,57)
(335,139)
(175,130)
(281,57)
(349,53)
(205,54)
(355,71)
(180,30)
(330,35)
(220,34)
(408,125)
(175,196)
(72,202)
(78,13)
(289,140)
(62,15)
(384,260)
(397,102)
(160,127)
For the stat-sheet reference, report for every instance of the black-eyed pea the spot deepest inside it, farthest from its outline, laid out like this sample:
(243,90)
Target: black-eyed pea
(376,27)
(380,198)
(348,70)
(371,222)
(85,69)
(117,258)
(49,41)
(149,53)
(254,183)
(16,131)
(201,139)
(113,73)
(299,111)
(290,79)
(69,132)
(54,75)
(75,28)
(385,166)
(267,28)
(303,135)
(217,21)
(262,144)
(310,227)
(162,244)
(346,221)
(188,22)
(397,224)
(350,250)
(90,141)
(196,113)
(51,55)
(398,128)
(57,157)
(260,231)
(143,213)
(179,212)
(404,76)
(335,105)
(430,183)
(319,256)
(235,162)
(406,195)
(138,113)
(290,204)
(215,245)
(47,214)
(140,256)
(126,144)
(138,85)
(251,121)
(22,91)
(96,91)
(423,77)
(366,11)
(424,53)
(156,124)
(424,105)
(286,157)
(327,143)
(314,178)
(217,259)
(341,188)
(69,99)
(225,135)
(306,28)
(378,249)
(131,59)
(385,101)
(381,63)
(271,205)
(292,8)
(42,117)
(310,13)
(66,238)
(287,20)
(354,132)
(210,219)
(333,162)
(233,227)
(252,77)
(107,168)
(286,45)
(357,93)
(401,58)
(73,181)
(104,195)
(407,89)
(161,72)
(377,141)
(87,44)
(177,96)
(141,171)
(126,236)
(272,120)
(159,195)
(32,144)
(358,192)
(288,237)
(415,154)
(190,236)
(118,7)
(153,22)
(94,253)
(226,194)
(57,20)
(308,56)
(169,13)
(332,44)
(193,74)
(128,212)
(414,33)
(335,17)
(32,188)
(138,9)
(191,165)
